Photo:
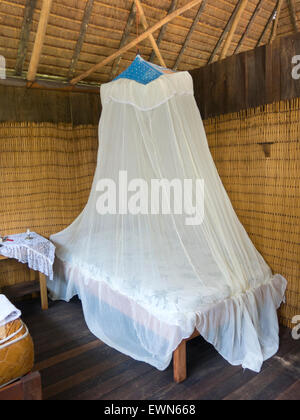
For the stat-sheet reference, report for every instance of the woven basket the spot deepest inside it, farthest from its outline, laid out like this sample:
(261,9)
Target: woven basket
(16,352)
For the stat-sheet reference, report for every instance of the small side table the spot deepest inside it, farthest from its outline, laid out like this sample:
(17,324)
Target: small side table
(38,253)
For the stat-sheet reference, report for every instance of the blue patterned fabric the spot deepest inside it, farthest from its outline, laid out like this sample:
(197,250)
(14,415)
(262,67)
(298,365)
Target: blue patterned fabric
(141,71)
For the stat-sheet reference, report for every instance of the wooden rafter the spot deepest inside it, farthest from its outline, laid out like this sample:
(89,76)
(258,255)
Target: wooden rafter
(292,9)
(163,29)
(57,84)
(39,40)
(270,20)
(139,39)
(241,8)
(84,25)
(190,33)
(276,21)
(25,32)
(249,26)
(128,27)
(225,32)
(151,37)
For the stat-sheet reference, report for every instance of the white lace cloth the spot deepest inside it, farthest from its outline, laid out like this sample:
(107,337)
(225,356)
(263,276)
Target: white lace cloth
(8,312)
(38,252)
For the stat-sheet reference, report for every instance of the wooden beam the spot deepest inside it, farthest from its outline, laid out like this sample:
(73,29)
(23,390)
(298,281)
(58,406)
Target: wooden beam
(292,9)
(84,25)
(130,22)
(39,40)
(163,29)
(267,26)
(190,33)
(25,32)
(236,21)
(48,84)
(151,37)
(249,26)
(139,39)
(225,32)
(275,26)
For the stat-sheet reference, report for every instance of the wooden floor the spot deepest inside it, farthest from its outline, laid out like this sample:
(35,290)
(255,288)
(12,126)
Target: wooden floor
(75,365)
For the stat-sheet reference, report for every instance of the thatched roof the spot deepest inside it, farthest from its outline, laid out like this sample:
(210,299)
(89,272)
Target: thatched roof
(81,33)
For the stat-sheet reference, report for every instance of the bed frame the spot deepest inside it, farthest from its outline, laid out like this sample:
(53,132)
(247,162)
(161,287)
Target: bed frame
(179,359)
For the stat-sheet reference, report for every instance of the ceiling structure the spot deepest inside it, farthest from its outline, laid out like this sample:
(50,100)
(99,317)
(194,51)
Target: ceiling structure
(80,41)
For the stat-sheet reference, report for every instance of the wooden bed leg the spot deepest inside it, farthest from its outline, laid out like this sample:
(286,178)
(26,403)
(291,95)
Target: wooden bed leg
(179,362)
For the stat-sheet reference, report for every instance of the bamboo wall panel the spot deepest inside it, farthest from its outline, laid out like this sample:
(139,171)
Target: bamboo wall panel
(265,191)
(46,173)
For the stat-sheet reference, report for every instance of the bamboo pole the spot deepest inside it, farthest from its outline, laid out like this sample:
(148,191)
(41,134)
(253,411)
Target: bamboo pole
(292,10)
(126,34)
(231,33)
(275,26)
(249,26)
(266,27)
(25,34)
(84,25)
(133,43)
(163,29)
(224,33)
(190,33)
(39,40)
(151,37)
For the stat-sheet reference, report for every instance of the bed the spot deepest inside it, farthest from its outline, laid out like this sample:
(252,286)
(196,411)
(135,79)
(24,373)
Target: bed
(148,278)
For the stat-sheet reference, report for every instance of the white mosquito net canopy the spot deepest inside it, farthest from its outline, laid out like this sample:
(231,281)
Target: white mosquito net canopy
(147,281)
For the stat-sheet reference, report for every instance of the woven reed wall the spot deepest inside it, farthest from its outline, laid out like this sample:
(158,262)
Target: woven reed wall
(265,191)
(46,172)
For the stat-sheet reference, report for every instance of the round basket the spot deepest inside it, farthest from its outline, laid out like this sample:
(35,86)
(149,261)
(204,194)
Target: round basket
(16,352)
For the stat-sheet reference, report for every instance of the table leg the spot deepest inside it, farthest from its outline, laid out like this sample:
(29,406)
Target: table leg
(43,288)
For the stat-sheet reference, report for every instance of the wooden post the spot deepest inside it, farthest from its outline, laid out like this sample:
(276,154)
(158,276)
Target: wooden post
(179,363)
(139,39)
(39,40)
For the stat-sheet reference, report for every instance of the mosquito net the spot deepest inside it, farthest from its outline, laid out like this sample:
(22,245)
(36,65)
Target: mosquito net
(148,279)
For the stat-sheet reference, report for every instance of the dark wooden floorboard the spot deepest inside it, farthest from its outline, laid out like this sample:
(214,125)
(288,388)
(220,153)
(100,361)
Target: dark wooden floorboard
(76,366)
